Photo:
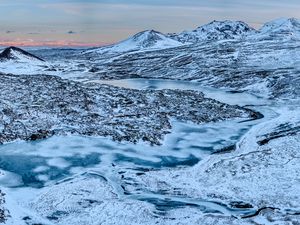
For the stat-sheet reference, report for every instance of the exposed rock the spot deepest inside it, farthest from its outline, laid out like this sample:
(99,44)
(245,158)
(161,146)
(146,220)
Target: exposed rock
(145,40)
(3,211)
(36,107)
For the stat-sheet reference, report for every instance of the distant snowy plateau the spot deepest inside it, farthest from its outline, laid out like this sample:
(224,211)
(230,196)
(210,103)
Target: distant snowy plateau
(200,127)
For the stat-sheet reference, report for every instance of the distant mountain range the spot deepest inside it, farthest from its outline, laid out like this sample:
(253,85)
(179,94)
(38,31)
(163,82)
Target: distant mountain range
(221,53)
(154,40)
(214,31)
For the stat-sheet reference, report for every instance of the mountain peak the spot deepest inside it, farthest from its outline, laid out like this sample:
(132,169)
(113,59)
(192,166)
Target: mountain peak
(145,40)
(150,39)
(282,23)
(221,23)
(17,54)
(147,34)
(216,30)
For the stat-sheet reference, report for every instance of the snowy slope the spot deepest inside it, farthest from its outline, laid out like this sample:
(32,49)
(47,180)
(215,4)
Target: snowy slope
(17,61)
(216,30)
(280,28)
(145,40)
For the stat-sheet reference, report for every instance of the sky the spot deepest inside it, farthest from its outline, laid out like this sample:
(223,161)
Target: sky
(102,22)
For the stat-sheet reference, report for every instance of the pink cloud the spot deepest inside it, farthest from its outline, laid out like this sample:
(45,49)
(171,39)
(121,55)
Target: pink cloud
(62,43)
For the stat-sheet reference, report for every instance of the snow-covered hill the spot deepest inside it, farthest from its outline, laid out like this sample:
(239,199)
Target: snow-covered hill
(17,61)
(18,55)
(280,28)
(216,30)
(145,40)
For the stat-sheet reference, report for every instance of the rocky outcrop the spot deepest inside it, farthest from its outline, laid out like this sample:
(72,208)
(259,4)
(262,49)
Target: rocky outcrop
(36,107)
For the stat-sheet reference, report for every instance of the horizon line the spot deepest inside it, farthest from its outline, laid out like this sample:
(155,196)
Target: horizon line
(87,45)
(70,44)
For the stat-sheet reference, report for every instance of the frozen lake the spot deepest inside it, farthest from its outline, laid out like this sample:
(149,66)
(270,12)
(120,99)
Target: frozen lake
(32,166)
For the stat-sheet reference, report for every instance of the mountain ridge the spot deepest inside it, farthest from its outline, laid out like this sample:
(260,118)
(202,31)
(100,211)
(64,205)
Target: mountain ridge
(282,27)
(213,31)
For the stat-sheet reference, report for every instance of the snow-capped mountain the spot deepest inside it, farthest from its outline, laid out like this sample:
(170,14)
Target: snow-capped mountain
(281,28)
(241,62)
(18,55)
(17,61)
(145,40)
(216,30)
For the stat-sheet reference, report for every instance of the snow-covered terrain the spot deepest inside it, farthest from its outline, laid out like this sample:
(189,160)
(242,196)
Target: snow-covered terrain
(37,107)
(200,127)
(281,28)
